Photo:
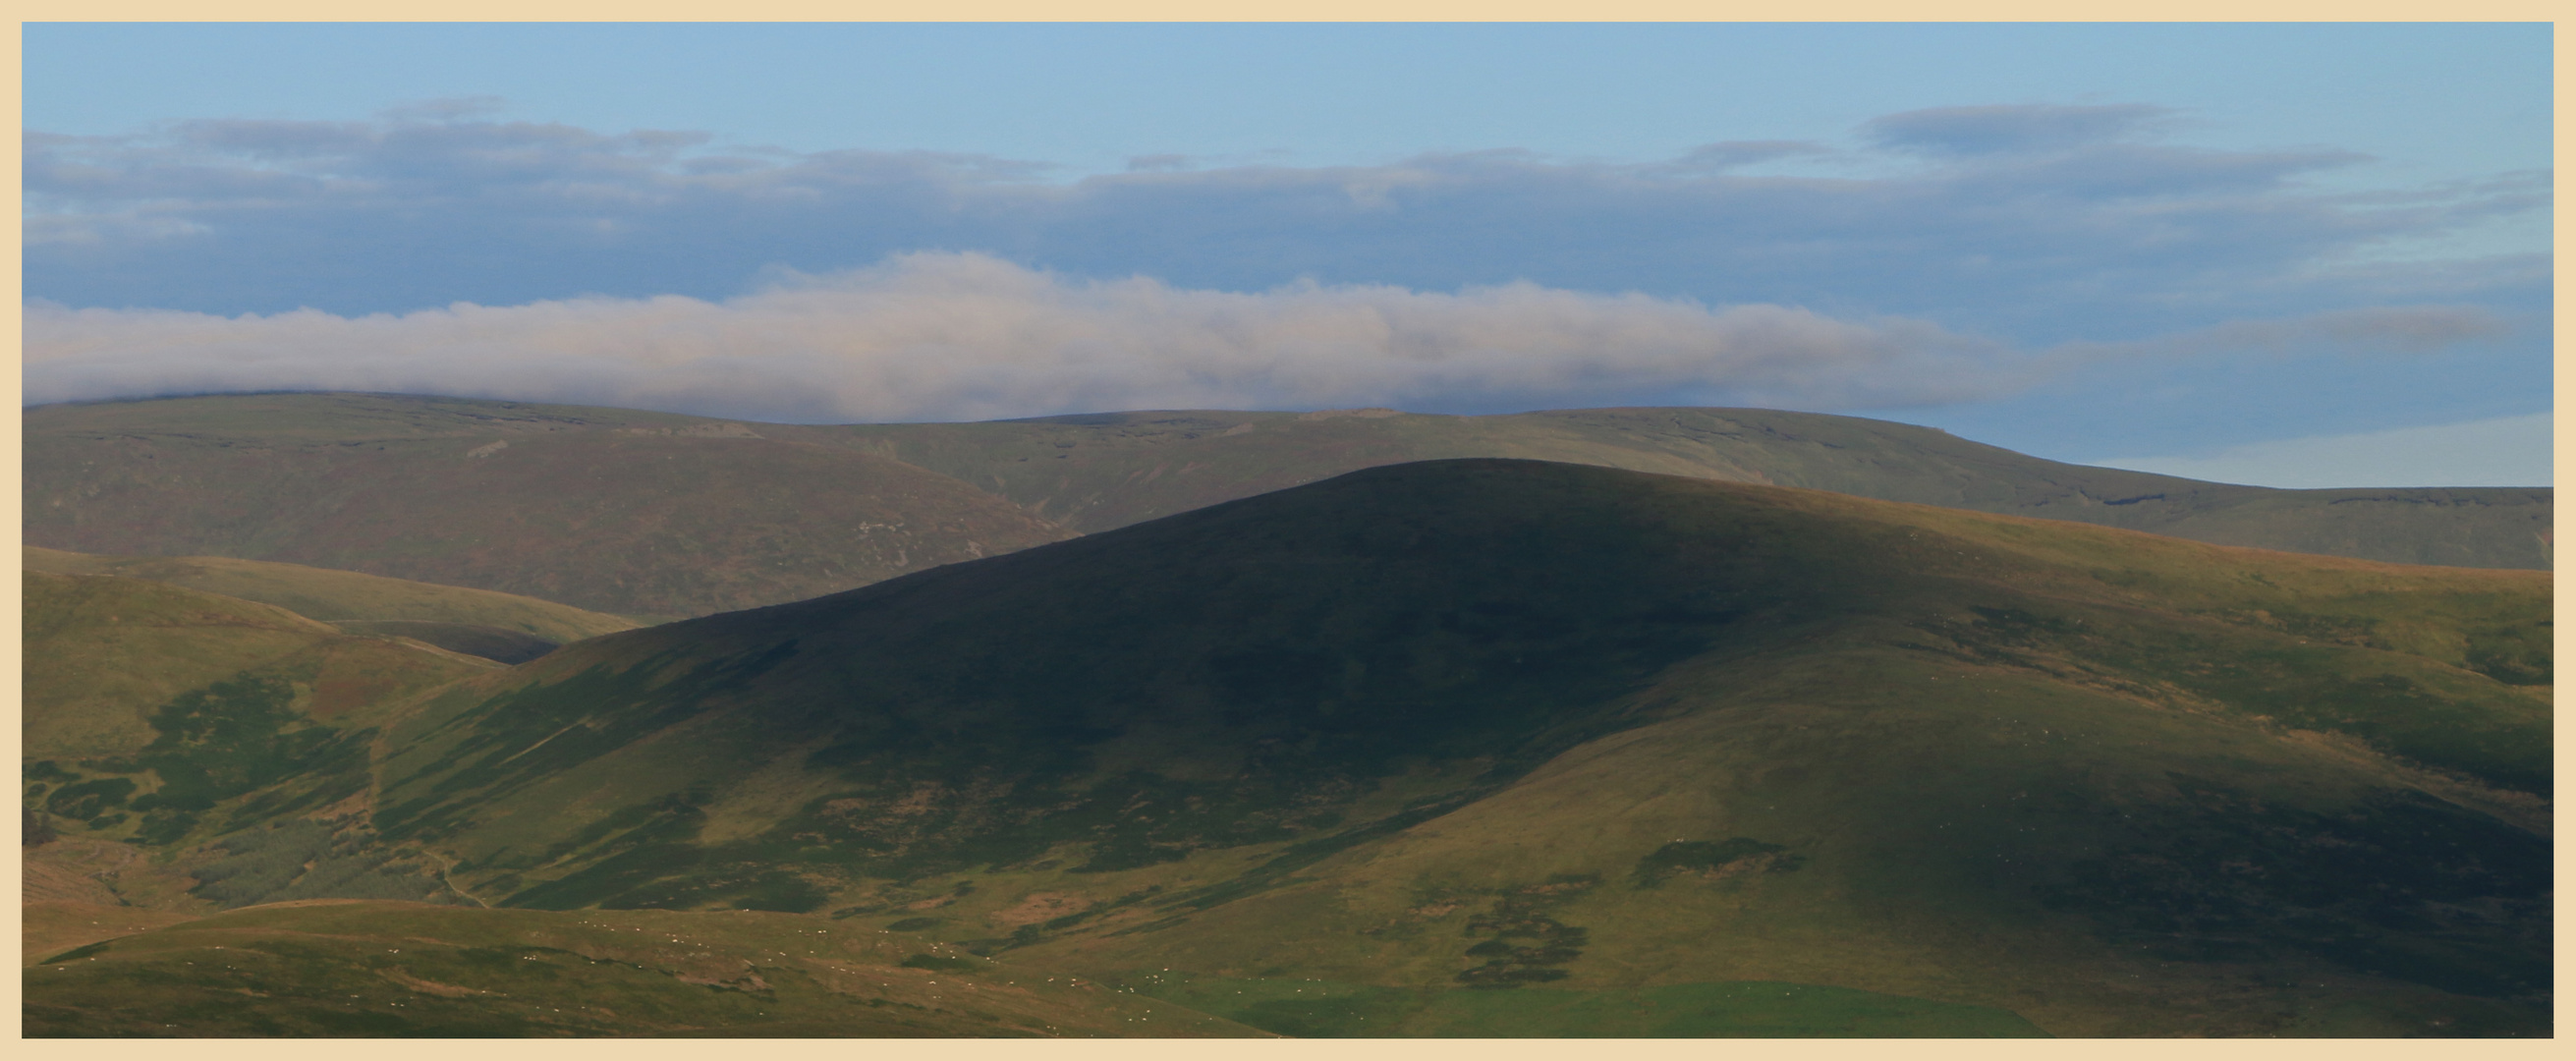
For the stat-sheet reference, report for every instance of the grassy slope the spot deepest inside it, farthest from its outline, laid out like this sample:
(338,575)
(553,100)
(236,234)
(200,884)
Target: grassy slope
(50,926)
(630,513)
(401,969)
(1110,470)
(105,652)
(153,711)
(2081,774)
(355,602)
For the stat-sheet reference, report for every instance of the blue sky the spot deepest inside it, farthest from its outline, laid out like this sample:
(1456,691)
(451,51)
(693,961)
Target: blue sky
(2149,243)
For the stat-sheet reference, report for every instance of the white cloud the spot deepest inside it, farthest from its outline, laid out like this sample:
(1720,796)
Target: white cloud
(967,336)
(2506,451)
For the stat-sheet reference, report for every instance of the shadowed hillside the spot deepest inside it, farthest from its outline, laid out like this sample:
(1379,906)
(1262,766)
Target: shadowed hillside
(1604,737)
(656,515)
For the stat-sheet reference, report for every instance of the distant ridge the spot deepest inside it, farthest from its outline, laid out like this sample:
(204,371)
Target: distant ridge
(658,515)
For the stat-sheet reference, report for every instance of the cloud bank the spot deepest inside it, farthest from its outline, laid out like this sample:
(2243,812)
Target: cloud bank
(951,336)
(967,336)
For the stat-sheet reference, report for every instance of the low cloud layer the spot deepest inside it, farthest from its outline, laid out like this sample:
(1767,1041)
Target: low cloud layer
(968,336)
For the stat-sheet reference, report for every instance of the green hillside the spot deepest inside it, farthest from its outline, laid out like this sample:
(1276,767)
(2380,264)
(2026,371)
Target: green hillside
(153,711)
(658,515)
(104,653)
(1627,742)
(499,626)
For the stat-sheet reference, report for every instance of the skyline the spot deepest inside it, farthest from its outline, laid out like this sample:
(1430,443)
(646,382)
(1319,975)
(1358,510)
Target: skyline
(2234,268)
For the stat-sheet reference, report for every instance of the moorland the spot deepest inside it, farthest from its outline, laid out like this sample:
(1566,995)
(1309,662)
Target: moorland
(399,716)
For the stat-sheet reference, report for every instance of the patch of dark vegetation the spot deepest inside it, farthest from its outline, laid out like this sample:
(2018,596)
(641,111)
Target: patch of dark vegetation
(90,799)
(914,924)
(46,770)
(1525,944)
(233,738)
(1713,859)
(2397,885)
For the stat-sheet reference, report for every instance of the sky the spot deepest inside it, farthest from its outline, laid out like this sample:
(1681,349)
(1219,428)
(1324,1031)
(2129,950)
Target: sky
(2291,255)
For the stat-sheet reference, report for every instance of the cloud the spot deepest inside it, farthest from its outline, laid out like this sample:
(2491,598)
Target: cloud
(1997,129)
(2505,451)
(2100,236)
(950,336)
(965,336)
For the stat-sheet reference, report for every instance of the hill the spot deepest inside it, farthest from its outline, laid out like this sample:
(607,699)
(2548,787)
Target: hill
(497,626)
(633,514)
(656,515)
(1614,740)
